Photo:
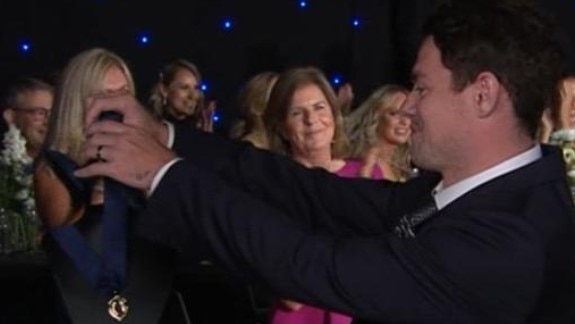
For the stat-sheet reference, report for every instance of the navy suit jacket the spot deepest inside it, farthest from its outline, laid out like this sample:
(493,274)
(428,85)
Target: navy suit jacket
(502,253)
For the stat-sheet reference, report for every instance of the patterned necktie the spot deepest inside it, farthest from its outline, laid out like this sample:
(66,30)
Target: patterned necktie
(409,221)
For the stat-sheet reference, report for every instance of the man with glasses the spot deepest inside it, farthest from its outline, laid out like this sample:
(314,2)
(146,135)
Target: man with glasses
(27,105)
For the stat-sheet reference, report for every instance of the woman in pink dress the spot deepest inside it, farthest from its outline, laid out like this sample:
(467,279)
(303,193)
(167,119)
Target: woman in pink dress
(304,121)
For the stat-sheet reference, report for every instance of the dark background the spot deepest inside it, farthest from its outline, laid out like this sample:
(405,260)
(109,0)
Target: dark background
(265,35)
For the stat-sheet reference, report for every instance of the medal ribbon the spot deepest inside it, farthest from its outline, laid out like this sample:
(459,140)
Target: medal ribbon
(106,273)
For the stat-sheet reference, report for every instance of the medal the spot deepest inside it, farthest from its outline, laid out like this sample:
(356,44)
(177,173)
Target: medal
(118,307)
(105,271)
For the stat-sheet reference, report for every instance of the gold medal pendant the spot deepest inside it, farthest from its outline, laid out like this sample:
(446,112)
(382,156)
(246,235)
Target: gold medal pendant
(118,307)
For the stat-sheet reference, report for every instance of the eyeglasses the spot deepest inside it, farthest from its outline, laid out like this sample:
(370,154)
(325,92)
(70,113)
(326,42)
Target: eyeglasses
(35,111)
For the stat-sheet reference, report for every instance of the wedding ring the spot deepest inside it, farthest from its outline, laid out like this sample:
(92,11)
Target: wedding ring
(99,153)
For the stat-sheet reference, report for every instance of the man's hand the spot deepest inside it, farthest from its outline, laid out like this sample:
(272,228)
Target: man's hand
(127,153)
(134,114)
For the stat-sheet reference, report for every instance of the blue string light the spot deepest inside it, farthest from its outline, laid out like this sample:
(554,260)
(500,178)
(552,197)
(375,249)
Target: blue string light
(336,79)
(227,24)
(204,86)
(25,46)
(216,117)
(144,39)
(356,22)
(302,4)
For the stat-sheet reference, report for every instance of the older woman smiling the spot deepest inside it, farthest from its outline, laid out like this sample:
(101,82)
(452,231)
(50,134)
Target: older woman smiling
(303,120)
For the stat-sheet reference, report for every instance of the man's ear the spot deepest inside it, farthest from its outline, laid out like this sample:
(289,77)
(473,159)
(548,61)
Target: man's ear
(8,115)
(486,92)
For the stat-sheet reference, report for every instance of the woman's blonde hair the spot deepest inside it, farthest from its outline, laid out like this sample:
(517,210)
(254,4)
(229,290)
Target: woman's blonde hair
(253,100)
(82,77)
(158,103)
(280,100)
(361,126)
(566,101)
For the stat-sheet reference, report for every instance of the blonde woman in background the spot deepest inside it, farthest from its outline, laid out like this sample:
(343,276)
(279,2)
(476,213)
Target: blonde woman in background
(177,96)
(561,113)
(253,100)
(104,272)
(567,108)
(379,135)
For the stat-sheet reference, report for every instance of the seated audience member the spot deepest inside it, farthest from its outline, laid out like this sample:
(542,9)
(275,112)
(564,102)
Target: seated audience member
(103,270)
(379,135)
(253,100)
(566,118)
(177,96)
(304,121)
(560,115)
(494,241)
(27,105)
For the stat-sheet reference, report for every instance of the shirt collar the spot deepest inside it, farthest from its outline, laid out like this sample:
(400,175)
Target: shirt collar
(443,196)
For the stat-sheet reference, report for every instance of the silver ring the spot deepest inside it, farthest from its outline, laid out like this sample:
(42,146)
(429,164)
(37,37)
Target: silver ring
(99,153)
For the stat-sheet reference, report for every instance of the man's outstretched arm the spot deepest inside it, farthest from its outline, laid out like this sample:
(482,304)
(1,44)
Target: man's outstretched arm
(378,277)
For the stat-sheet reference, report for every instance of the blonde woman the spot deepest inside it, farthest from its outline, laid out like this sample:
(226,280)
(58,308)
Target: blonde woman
(177,95)
(379,135)
(560,115)
(104,272)
(253,100)
(566,118)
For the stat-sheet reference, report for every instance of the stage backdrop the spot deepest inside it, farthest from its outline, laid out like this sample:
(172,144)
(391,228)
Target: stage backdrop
(365,42)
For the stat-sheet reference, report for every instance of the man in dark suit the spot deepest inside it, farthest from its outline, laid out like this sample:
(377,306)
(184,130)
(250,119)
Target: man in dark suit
(497,244)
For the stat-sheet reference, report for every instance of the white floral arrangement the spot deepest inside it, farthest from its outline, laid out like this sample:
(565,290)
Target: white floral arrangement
(18,220)
(565,138)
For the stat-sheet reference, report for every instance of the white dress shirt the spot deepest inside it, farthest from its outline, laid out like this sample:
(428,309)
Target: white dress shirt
(443,196)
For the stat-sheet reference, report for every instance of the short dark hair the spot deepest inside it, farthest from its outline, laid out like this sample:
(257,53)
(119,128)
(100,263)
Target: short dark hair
(12,96)
(512,39)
